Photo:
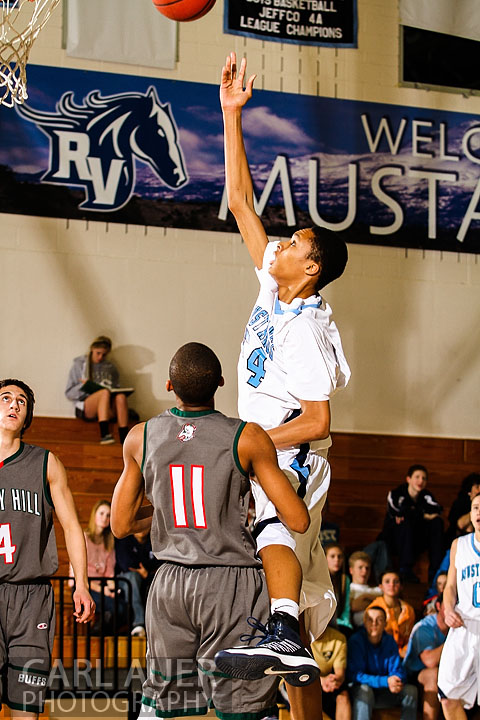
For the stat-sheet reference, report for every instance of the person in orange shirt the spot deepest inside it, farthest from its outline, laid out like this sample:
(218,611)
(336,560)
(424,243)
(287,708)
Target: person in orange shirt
(400,615)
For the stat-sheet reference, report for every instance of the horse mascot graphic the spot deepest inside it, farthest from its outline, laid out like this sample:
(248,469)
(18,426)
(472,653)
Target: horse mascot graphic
(187,432)
(94,145)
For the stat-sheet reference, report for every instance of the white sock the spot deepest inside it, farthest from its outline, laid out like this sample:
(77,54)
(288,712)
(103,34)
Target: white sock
(285,605)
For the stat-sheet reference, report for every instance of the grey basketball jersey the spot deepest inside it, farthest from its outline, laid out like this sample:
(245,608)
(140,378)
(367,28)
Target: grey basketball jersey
(198,489)
(27,539)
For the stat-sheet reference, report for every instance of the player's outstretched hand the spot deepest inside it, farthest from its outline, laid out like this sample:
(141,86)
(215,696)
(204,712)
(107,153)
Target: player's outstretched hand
(84,606)
(453,619)
(232,94)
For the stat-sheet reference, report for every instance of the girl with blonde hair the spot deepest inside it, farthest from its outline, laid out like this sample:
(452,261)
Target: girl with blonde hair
(99,404)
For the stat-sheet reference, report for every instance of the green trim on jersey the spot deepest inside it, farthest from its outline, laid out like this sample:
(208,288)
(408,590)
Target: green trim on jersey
(191,413)
(214,673)
(26,708)
(144,446)
(235,449)
(29,670)
(15,455)
(176,713)
(46,486)
(168,678)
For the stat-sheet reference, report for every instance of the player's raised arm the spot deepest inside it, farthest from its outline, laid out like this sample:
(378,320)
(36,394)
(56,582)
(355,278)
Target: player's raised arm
(257,452)
(127,514)
(239,184)
(74,539)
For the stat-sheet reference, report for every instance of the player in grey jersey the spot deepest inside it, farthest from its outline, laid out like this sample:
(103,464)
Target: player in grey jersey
(193,463)
(32,483)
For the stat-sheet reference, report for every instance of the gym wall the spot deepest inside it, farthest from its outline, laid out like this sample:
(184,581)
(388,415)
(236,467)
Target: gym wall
(408,319)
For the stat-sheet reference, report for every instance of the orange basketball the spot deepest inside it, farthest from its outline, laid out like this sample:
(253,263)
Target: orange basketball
(183,10)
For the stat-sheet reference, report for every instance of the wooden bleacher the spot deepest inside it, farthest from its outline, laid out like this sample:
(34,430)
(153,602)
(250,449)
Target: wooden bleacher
(364,468)
(93,469)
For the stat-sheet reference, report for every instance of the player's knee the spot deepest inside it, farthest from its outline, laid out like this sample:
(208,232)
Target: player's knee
(428,679)
(343,700)
(450,705)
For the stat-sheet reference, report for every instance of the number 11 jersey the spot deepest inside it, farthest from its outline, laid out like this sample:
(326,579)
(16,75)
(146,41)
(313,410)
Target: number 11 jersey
(199,491)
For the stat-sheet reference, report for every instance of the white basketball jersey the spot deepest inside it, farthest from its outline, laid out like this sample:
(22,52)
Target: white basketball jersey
(289,353)
(467,563)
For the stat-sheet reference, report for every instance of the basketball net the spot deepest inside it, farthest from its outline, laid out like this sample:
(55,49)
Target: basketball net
(20,23)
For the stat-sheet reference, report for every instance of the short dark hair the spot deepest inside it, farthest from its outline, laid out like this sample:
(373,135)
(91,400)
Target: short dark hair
(389,571)
(30,399)
(470,481)
(414,468)
(195,373)
(475,496)
(376,607)
(329,250)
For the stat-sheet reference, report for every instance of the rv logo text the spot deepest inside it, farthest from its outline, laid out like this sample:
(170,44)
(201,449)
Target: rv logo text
(95,144)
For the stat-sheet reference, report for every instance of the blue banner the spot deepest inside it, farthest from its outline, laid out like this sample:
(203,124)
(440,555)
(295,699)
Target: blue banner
(120,148)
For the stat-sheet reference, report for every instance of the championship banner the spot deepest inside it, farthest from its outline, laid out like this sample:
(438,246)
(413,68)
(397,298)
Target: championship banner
(144,151)
(332,23)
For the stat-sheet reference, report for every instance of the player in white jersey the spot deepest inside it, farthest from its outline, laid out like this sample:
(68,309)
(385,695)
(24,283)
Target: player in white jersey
(459,671)
(290,365)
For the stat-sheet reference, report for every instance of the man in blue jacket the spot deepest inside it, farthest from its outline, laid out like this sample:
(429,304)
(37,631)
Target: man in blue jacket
(375,671)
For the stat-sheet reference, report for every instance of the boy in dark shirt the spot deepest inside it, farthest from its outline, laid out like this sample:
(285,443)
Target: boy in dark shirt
(413,523)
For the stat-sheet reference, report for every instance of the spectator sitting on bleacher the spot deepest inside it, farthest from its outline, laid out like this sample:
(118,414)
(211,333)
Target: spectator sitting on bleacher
(400,615)
(136,563)
(361,593)
(414,522)
(330,652)
(423,657)
(101,564)
(341,587)
(98,404)
(459,515)
(430,602)
(375,670)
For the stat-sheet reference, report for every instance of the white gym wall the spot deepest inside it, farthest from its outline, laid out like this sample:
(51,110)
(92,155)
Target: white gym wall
(409,320)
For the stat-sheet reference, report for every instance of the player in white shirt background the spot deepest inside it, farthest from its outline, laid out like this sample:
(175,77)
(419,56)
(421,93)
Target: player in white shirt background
(459,671)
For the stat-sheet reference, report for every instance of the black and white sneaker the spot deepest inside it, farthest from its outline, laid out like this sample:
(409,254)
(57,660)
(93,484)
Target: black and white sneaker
(279,652)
